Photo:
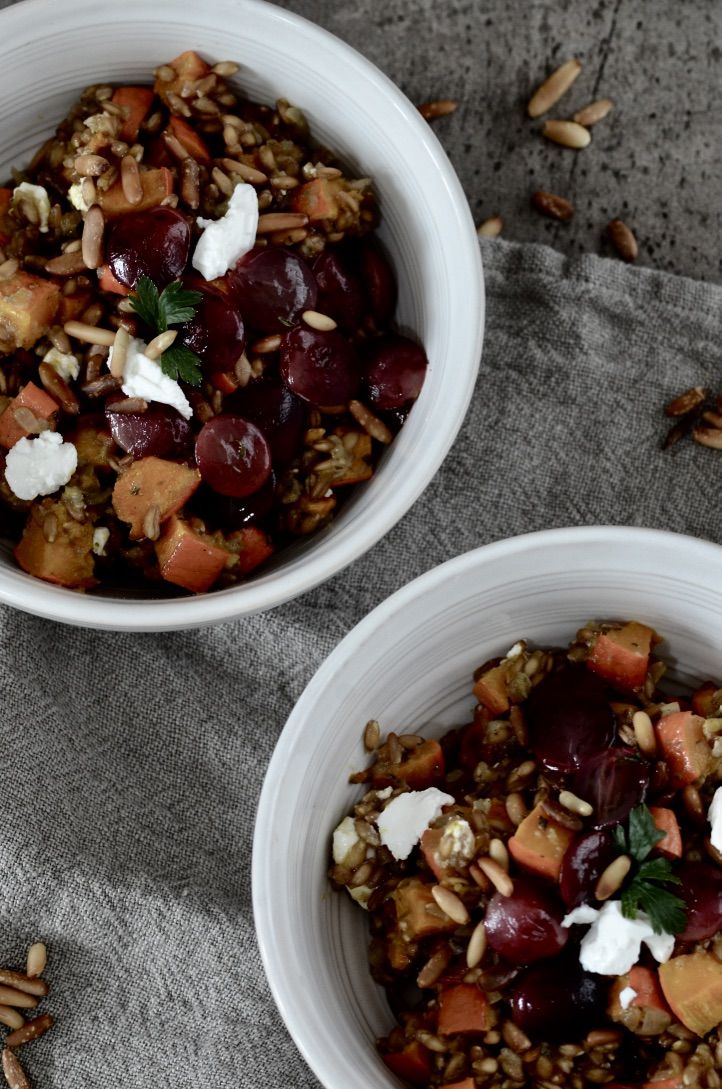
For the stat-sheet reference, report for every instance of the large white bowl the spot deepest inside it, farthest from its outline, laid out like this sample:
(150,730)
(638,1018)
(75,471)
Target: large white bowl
(50,50)
(409,664)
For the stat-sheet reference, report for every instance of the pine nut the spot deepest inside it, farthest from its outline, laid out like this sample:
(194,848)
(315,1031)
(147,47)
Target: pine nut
(440,107)
(708,436)
(322,322)
(644,733)
(499,853)
(92,242)
(477,946)
(372,735)
(59,389)
(27,984)
(266,344)
(280,221)
(225,68)
(371,424)
(499,878)
(612,878)
(91,166)
(514,1037)
(121,342)
(160,344)
(623,240)
(567,133)
(10,996)
(435,966)
(130,180)
(67,264)
(478,877)
(552,205)
(190,182)
(151,523)
(553,87)
(128,404)
(686,402)
(11,1017)
(600,1037)
(450,904)
(574,804)
(30,1030)
(594,112)
(13,1071)
(490,228)
(90,334)
(248,173)
(516,808)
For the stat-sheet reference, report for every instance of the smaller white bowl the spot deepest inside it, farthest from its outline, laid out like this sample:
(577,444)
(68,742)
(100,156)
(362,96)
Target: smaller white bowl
(409,664)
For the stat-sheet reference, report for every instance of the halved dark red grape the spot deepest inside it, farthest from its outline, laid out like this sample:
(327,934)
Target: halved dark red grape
(586,859)
(155,243)
(272,286)
(233,456)
(216,333)
(278,413)
(158,432)
(701,889)
(233,513)
(394,370)
(340,293)
(613,782)
(569,719)
(559,1001)
(319,367)
(526,926)
(379,281)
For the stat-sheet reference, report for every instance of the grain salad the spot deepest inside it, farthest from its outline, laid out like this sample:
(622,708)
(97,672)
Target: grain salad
(198,361)
(544,884)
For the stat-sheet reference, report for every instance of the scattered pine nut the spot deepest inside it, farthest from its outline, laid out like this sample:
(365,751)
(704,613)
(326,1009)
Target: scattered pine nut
(574,804)
(439,107)
(434,967)
(11,996)
(30,1030)
(708,436)
(567,133)
(450,904)
(644,732)
(119,355)
(67,264)
(160,344)
(321,322)
(477,946)
(499,878)
(686,402)
(499,853)
(13,1071)
(372,735)
(23,983)
(280,221)
(490,228)
(130,180)
(600,1037)
(248,173)
(612,878)
(516,808)
(92,241)
(595,111)
(11,1017)
(553,87)
(371,424)
(623,240)
(90,334)
(552,205)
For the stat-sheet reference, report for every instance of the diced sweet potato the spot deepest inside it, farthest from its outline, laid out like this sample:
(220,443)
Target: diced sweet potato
(539,844)
(430,841)
(186,559)
(188,67)
(705,702)
(316,199)
(417,915)
(257,548)
(66,561)
(413,1064)
(6,196)
(684,746)
(645,982)
(93,442)
(152,482)
(464,1008)
(108,282)
(32,397)
(491,690)
(157,184)
(692,986)
(189,139)
(136,103)
(423,767)
(621,656)
(671,845)
(28,305)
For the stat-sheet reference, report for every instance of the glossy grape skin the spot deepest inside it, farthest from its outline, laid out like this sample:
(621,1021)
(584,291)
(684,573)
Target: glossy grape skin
(379,281)
(614,783)
(272,286)
(216,332)
(701,889)
(277,412)
(155,243)
(569,719)
(319,367)
(586,858)
(394,371)
(233,456)
(233,513)
(559,1001)
(340,292)
(526,926)
(159,432)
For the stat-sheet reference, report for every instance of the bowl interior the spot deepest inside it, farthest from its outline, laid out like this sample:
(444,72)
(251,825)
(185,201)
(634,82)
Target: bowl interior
(409,664)
(353,108)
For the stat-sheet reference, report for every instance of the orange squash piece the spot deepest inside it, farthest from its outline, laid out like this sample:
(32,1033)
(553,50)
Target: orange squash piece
(539,844)
(703,701)
(645,982)
(692,986)
(257,548)
(316,199)
(189,139)
(157,184)
(187,559)
(136,102)
(671,845)
(412,1064)
(188,67)
(491,690)
(464,1008)
(28,305)
(152,482)
(32,397)
(66,561)
(412,898)
(621,656)
(684,746)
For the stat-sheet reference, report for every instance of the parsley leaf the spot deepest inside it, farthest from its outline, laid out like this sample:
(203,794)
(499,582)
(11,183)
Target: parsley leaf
(182,364)
(172,306)
(648,890)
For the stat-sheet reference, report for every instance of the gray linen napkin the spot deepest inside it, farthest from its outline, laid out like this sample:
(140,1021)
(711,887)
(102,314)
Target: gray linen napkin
(131,765)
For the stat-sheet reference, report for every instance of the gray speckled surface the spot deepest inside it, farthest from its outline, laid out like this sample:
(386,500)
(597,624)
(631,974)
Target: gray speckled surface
(655,161)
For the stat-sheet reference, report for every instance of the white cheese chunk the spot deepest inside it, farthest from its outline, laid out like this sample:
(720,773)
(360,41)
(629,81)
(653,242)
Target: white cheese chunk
(612,945)
(457,843)
(404,819)
(225,240)
(26,193)
(76,198)
(344,838)
(361,895)
(626,997)
(714,816)
(101,536)
(516,650)
(64,363)
(142,377)
(40,466)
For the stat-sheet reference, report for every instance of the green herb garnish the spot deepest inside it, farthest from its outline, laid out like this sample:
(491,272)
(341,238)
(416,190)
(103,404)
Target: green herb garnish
(172,306)
(648,890)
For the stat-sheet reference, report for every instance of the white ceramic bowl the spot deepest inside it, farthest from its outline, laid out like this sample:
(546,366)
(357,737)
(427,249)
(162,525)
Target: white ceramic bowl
(409,664)
(50,50)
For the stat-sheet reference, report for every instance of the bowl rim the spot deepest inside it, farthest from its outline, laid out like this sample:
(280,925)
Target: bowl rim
(128,614)
(692,550)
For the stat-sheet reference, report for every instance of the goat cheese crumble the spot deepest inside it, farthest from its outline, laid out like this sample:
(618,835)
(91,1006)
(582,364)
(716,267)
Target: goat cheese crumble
(227,239)
(404,819)
(64,363)
(626,997)
(37,196)
(714,816)
(40,466)
(142,377)
(613,943)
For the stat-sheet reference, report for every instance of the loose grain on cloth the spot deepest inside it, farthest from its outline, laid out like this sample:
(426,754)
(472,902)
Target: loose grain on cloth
(132,764)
